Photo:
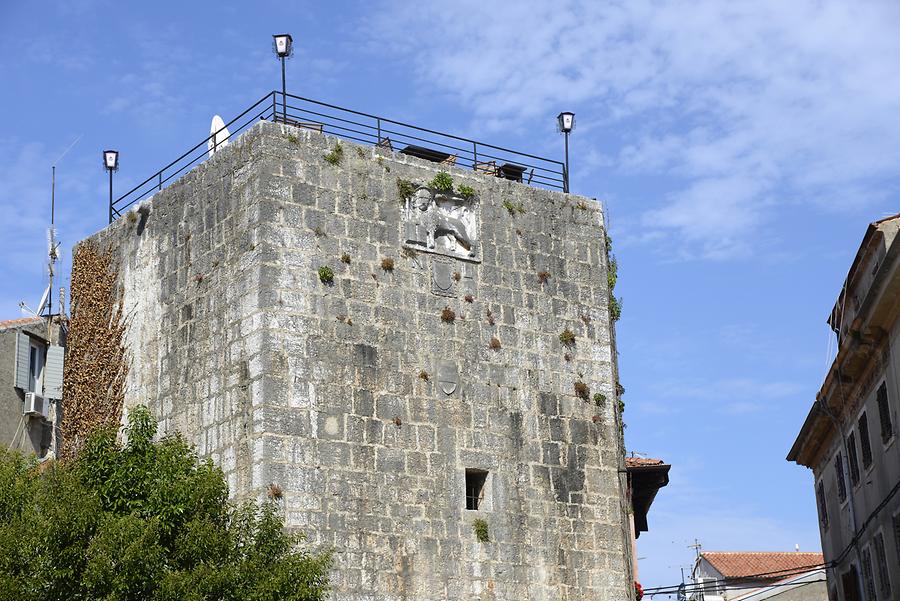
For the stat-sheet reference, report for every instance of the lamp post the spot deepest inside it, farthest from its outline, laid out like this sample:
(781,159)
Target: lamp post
(565,122)
(284,48)
(111,163)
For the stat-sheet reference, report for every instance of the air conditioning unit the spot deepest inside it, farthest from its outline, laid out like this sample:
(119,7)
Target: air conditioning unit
(35,405)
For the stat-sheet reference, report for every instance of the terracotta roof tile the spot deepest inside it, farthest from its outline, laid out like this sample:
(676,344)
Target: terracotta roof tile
(738,564)
(17,323)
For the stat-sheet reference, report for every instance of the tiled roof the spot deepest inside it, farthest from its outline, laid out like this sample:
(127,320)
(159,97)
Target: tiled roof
(642,462)
(739,564)
(885,219)
(18,323)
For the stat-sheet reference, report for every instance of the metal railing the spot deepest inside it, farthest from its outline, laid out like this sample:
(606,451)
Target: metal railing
(363,128)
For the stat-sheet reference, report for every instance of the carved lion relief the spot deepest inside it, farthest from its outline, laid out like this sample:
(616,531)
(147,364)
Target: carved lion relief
(441,223)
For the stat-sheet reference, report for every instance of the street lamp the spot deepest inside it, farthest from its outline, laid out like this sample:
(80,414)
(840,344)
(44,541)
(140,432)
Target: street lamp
(284,48)
(565,122)
(111,163)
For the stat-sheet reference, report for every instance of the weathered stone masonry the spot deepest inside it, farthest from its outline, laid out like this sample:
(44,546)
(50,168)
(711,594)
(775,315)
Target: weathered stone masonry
(356,398)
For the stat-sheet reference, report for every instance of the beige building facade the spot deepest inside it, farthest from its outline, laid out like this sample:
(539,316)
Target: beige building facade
(849,438)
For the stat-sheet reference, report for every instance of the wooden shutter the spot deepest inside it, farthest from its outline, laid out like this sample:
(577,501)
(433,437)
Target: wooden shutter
(864,443)
(53,373)
(884,414)
(23,360)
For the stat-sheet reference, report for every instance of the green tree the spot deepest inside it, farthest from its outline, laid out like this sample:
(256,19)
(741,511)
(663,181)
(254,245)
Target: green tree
(143,520)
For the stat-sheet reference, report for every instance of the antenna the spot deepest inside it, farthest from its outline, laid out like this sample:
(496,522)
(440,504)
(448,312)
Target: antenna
(52,245)
(696,547)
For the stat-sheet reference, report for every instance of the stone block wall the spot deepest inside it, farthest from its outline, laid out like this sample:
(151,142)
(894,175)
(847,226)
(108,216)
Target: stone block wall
(358,398)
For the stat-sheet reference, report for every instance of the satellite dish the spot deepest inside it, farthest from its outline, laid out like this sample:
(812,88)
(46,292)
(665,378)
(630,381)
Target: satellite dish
(43,303)
(218,135)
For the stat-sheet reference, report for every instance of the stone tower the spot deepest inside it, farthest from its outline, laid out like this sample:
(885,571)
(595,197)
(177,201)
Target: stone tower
(427,389)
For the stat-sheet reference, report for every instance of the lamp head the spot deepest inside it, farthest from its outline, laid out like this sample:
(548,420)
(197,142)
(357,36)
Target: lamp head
(565,122)
(283,45)
(111,160)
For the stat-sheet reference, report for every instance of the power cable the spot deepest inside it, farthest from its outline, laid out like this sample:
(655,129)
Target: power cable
(698,588)
(788,572)
(784,573)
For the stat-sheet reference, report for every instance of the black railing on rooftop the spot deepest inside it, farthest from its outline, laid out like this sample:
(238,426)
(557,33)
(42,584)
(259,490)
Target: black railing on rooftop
(388,134)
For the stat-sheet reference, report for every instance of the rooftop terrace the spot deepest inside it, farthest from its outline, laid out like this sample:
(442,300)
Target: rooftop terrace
(388,134)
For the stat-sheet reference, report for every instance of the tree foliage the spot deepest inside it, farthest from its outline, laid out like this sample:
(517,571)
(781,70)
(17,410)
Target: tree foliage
(143,520)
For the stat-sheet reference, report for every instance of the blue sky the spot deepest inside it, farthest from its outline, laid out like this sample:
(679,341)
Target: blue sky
(741,148)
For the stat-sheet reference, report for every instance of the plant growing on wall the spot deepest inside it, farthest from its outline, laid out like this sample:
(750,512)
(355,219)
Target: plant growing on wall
(96,366)
(567,337)
(582,391)
(513,208)
(326,274)
(480,527)
(405,189)
(495,343)
(442,182)
(336,155)
(144,520)
(615,308)
(345,258)
(448,315)
(543,276)
(612,277)
(466,192)
(387,264)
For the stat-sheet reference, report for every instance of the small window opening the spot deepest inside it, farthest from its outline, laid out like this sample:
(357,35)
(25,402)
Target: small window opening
(475,480)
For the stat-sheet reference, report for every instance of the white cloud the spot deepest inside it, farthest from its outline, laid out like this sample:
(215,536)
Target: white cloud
(745,106)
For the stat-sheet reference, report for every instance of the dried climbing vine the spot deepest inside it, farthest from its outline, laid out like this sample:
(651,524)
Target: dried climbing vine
(94,378)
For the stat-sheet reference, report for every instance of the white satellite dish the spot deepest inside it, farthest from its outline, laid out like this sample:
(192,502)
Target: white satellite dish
(218,135)
(43,303)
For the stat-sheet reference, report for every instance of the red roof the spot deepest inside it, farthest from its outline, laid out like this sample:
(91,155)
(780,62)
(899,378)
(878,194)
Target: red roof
(740,564)
(17,323)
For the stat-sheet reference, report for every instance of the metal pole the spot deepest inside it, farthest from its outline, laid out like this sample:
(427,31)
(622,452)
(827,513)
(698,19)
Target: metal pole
(283,92)
(110,196)
(566,174)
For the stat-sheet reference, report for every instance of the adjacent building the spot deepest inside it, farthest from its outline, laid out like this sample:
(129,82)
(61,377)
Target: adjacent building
(31,368)
(758,575)
(645,477)
(849,438)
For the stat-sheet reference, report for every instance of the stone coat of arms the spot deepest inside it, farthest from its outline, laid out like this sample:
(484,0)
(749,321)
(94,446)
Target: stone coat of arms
(441,223)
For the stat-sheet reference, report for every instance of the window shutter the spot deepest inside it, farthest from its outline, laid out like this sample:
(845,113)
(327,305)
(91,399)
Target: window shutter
(864,441)
(884,581)
(839,476)
(23,359)
(53,373)
(868,574)
(823,509)
(852,458)
(884,414)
